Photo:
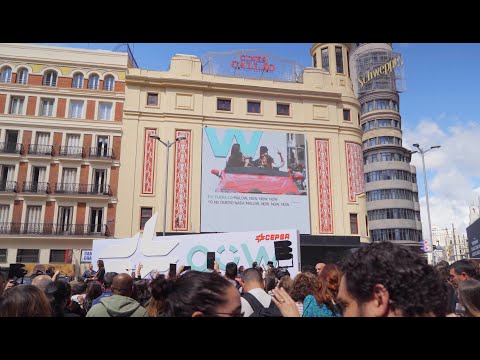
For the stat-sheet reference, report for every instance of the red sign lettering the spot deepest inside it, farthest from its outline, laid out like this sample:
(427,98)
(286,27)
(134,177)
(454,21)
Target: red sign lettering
(249,62)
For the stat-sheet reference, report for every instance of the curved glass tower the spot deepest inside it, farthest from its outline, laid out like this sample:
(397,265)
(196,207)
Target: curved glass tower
(390,180)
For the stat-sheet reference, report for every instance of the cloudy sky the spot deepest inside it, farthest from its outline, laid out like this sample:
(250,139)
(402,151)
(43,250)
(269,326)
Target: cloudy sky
(438,107)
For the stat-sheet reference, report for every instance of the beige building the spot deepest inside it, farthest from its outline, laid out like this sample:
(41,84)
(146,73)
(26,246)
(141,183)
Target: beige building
(60,134)
(182,101)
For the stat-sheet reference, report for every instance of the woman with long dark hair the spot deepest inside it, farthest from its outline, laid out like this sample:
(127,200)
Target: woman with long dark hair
(101,272)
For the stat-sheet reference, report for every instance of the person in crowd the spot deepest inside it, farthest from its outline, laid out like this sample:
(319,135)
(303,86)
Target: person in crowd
(270,282)
(78,296)
(3,282)
(309,268)
(58,295)
(42,281)
(469,296)
(25,301)
(231,274)
(321,303)
(120,304)
(254,285)
(443,271)
(99,276)
(107,283)
(476,265)
(89,273)
(386,279)
(287,283)
(94,290)
(462,270)
(241,270)
(141,293)
(318,267)
(156,304)
(198,294)
(304,284)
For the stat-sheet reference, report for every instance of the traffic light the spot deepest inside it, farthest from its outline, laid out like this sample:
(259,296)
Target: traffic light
(434,247)
(283,251)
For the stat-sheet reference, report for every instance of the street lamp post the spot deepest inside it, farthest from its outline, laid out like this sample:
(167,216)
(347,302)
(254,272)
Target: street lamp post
(423,152)
(167,145)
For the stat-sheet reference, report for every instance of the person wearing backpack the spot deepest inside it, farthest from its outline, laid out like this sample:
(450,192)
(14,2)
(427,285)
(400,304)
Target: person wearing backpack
(255,301)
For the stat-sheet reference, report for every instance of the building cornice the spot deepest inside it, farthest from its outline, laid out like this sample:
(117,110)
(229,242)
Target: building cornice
(220,121)
(60,123)
(134,80)
(44,91)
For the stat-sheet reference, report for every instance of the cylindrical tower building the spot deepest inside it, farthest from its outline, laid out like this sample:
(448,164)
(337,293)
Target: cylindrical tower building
(390,181)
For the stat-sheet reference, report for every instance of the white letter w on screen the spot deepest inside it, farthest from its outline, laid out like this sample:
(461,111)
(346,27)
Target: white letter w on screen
(223,149)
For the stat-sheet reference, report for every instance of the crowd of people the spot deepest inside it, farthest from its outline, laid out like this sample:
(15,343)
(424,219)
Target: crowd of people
(378,280)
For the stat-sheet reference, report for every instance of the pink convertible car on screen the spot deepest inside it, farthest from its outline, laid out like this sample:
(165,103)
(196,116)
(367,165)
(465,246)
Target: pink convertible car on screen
(257,180)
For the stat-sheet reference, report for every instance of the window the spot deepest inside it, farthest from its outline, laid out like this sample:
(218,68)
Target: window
(28,255)
(16,105)
(339,59)
(3,255)
(93,82)
(108,83)
(22,76)
(283,109)
(346,115)
(6,75)
(64,219)
(50,78)
(353,224)
(224,104)
(145,215)
(47,107)
(253,107)
(325,59)
(152,99)
(57,256)
(314,60)
(348,63)
(76,109)
(78,81)
(4,209)
(105,111)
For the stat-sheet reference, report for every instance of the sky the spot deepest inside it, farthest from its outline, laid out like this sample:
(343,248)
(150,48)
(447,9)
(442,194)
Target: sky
(438,107)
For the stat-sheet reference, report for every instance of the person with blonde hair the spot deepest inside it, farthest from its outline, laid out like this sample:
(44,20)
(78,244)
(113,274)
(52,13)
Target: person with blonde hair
(469,296)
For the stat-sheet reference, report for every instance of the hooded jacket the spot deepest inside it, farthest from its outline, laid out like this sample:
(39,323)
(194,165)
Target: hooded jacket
(117,306)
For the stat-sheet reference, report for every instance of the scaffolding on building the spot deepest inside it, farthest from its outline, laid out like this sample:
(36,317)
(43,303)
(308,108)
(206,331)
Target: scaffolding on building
(131,59)
(251,64)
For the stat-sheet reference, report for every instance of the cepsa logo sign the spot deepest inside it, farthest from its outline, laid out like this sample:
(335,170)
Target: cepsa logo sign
(261,237)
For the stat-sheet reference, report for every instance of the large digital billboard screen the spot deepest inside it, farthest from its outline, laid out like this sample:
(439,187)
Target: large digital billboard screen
(253,180)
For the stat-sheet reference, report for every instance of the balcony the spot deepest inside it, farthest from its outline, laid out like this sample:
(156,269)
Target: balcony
(8,186)
(75,152)
(36,187)
(83,189)
(54,229)
(11,148)
(45,150)
(102,153)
